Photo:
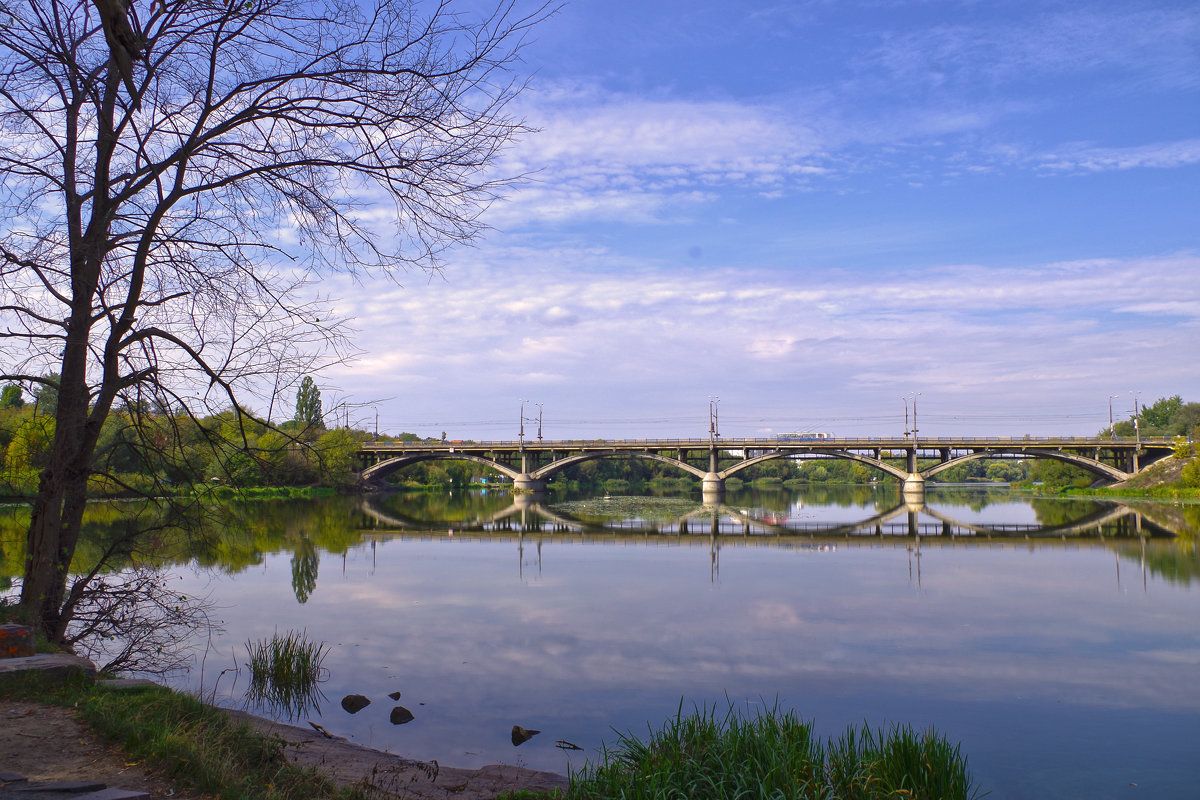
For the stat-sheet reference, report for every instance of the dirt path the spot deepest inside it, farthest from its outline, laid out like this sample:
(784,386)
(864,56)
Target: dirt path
(48,743)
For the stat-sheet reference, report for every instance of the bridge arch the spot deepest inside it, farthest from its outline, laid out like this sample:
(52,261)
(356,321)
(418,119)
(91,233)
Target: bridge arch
(555,467)
(838,454)
(1098,468)
(385,468)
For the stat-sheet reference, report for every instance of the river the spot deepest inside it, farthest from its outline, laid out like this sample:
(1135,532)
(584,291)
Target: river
(1057,641)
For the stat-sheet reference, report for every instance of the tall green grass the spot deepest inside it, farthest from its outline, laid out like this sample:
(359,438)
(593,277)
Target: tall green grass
(774,754)
(203,746)
(286,672)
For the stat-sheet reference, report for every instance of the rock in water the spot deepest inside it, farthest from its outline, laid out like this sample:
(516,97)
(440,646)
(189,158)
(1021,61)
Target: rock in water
(401,715)
(394,695)
(522,735)
(354,703)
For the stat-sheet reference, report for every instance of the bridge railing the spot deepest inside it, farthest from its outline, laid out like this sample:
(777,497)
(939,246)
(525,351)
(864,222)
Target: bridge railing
(772,442)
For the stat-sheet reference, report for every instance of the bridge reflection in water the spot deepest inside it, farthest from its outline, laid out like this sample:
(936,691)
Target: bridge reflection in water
(908,522)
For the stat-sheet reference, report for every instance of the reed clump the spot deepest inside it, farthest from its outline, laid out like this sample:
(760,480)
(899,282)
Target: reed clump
(774,754)
(286,672)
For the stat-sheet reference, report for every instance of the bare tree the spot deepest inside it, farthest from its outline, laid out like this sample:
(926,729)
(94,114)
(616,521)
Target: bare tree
(173,181)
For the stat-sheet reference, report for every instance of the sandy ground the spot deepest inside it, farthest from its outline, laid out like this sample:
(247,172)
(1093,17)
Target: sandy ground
(48,743)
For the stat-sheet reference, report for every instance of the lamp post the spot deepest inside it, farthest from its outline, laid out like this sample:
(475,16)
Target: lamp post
(521,424)
(913,397)
(1137,430)
(1112,434)
(714,428)
(539,405)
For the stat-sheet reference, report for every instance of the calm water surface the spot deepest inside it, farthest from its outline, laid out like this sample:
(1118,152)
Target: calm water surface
(1063,655)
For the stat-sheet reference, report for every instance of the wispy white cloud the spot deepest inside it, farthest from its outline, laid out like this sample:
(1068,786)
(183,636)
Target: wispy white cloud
(592,338)
(1140,45)
(1092,158)
(636,159)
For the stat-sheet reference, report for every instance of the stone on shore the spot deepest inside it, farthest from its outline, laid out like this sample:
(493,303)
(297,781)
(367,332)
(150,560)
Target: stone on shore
(51,667)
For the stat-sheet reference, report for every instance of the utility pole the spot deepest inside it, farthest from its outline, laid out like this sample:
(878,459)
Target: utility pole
(913,397)
(1112,434)
(521,430)
(714,428)
(1137,429)
(539,405)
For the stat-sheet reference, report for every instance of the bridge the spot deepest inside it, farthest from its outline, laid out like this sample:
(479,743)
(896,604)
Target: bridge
(530,464)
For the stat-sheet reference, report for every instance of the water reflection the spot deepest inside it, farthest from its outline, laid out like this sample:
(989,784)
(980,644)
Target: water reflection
(1057,640)
(537,513)
(1054,639)
(863,518)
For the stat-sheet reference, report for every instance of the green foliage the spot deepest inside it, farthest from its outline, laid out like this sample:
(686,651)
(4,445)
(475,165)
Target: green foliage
(774,754)
(1055,475)
(308,404)
(1167,416)
(1189,478)
(27,453)
(1006,471)
(335,452)
(1159,415)
(10,397)
(45,398)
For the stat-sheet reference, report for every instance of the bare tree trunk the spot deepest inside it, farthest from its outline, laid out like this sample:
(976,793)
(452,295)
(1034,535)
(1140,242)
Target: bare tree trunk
(174,165)
(57,516)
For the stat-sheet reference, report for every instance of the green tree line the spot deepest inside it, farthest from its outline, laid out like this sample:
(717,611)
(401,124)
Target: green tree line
(146,451)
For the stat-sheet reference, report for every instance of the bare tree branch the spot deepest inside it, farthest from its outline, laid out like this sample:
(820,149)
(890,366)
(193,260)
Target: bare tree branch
(176,174)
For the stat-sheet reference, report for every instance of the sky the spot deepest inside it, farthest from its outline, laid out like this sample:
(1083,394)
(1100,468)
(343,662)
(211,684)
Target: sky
(816,214)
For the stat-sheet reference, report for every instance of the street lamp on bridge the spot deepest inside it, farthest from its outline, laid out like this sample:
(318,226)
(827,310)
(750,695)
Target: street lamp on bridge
(1112,433)
(521,423)
(714,428)
(1137,429)
(913,397)
(524,419)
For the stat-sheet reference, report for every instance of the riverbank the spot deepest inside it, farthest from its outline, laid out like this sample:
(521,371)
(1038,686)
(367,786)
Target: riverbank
(151,739)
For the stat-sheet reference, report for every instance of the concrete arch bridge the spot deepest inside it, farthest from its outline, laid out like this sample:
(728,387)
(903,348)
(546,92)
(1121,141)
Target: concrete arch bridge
(531,464)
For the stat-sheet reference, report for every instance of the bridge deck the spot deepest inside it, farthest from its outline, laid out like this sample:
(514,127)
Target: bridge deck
(840,443)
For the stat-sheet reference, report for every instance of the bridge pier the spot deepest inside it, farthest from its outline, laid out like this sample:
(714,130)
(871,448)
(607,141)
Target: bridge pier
(525,483)
(914,488)
(712,484)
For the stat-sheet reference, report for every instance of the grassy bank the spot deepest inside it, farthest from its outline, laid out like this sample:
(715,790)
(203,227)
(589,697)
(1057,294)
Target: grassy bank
(1126,493)
(223,492)
(194,743)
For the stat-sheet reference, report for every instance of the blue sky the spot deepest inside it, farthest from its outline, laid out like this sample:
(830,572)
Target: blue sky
(812,210)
